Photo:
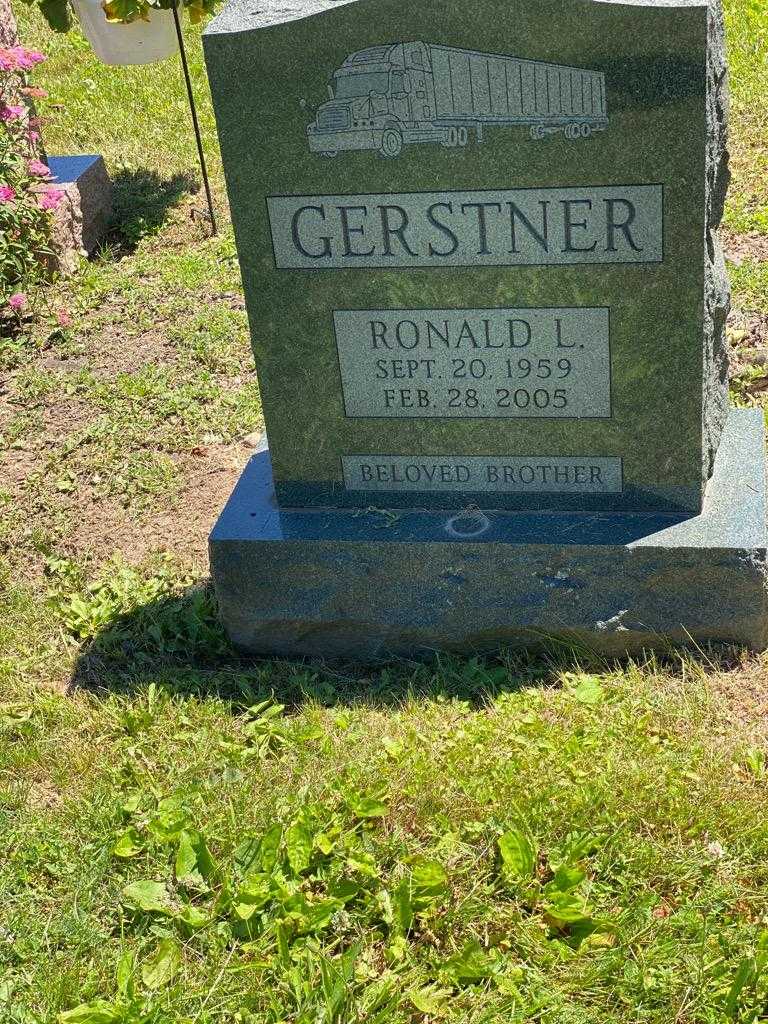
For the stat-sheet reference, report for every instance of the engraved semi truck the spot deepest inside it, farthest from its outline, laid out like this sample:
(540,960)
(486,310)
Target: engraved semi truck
(387,96)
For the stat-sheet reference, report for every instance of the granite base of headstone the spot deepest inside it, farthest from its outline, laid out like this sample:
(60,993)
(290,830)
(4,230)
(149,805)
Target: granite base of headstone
(81,220)
(487,301)
(374,584)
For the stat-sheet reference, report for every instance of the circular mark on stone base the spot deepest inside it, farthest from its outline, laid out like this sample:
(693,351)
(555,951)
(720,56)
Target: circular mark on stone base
(469,523)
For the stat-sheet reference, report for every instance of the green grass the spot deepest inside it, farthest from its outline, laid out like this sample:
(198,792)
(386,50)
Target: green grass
(747,28)
(630,811)
(475,840)
(750,283)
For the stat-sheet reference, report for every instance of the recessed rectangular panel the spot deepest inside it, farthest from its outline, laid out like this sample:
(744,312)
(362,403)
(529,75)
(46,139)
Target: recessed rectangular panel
(509,227)
(476,474)
(473,363)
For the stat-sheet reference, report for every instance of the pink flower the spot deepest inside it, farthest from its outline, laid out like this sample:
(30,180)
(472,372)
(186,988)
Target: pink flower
(38,168)
(26,59)
(18,301)
(12,112)
(63,318)
(19,58)
(7,195)
(34,91)
(7,60)
(33,136)
(50,200)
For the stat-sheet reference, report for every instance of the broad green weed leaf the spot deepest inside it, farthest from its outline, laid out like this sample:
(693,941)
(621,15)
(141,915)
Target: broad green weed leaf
(265,710)
(470,965)
(397,948)
(367,807)
(402,907)
(566,878)
(206,865)
(317,916)
(344,890)
(394,749)
(185,866)
(578,845)
(518,855)
(269,847)
(564,909)
(429,883)
(755,761)
(586,689)
(194,864)
(430,1000)
(129,844)
(97,1012)
(246,854)
(323,843)
(125,974)
(310,918)
(151,897)
(192,917)
(265,728)
(283,947)
(253,895)
(363,863)
(170,820)
(298,847)
(744,974)
(131,805)
(162,965)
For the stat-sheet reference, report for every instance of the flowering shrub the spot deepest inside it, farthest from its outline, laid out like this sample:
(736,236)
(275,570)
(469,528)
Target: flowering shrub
(58,13)
(27,196)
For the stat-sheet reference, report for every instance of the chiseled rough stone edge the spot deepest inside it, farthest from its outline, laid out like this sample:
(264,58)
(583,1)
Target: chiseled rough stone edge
(717,293)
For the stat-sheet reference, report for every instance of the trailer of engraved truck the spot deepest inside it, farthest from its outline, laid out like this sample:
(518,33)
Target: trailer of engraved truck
(388,96)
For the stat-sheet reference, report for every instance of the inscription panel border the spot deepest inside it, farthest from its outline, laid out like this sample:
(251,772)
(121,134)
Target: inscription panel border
(617,459)
(466,309)
(479,191)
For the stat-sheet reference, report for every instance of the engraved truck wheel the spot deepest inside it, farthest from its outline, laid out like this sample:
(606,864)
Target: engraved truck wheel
(585,130)
(391,142)
(462,136)
(571,132)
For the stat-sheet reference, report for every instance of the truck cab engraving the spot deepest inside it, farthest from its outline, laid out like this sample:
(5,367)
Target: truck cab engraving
(388,96)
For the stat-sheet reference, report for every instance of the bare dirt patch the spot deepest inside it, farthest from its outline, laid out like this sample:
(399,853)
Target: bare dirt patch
(745,696)
(179,524)
(739,248)
(748,337)
(43,795)
(118,352)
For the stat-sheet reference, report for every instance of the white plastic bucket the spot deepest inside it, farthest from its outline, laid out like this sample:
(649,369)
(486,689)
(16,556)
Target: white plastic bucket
(140,42)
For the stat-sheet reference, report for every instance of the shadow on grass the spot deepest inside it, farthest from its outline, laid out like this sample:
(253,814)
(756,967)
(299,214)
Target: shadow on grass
(178,644)
(141,201)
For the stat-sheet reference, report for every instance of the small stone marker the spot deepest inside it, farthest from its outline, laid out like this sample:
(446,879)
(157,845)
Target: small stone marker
(82,220)
(485,289)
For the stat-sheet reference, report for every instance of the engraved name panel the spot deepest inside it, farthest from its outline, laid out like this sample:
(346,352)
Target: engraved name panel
(509,227)
(473,363)
(483,474)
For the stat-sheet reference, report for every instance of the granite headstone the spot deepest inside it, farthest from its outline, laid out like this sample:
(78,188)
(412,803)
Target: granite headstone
(485,288)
